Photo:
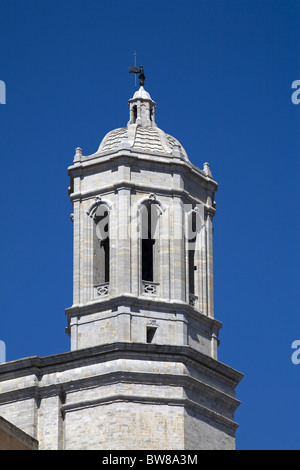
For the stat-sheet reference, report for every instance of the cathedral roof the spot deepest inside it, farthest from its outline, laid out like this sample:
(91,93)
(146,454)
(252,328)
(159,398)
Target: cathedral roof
(142,133)
(141,138)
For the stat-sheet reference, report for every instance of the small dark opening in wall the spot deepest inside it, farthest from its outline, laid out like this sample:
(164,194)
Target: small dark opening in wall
(134,113)
(105,245)
(150,333)
(147,244)
(151,113)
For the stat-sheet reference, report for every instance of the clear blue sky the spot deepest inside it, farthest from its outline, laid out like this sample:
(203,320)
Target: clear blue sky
(221,74)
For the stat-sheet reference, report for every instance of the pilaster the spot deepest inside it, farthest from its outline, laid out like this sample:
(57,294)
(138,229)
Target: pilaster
(210,290)
(177,251)
(123,241)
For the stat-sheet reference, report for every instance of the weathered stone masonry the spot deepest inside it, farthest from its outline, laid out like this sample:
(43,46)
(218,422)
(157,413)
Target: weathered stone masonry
(142,372)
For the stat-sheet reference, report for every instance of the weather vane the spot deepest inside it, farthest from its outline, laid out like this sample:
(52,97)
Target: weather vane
(140,71)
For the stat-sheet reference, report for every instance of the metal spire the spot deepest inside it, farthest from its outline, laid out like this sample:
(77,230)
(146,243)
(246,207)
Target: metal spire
(135,66)
(134,69)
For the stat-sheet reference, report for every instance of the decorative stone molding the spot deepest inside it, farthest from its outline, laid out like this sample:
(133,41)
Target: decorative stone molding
(78,155)
(192,300)
(152,197)
(152,322)
(206,169)
(91,212)
(102,290)
(150,287)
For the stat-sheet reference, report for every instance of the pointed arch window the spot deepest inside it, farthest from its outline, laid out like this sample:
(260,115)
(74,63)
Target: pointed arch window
(148,242)
(191,252)
(101,251)
(150,247)
(191,247)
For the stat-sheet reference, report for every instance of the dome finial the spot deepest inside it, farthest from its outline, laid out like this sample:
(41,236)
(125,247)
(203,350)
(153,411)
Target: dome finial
(140,71)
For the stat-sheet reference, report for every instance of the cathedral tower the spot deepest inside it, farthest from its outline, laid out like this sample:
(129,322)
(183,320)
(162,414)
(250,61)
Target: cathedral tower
(143,371)
(143,261)
(143,278)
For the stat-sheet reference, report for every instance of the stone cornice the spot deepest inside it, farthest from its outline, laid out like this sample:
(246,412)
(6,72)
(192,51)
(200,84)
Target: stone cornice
(114,187)
(184,402)
(79,383)
(38,366)
(86,163)
(143,302)
(187,382)
(55,366)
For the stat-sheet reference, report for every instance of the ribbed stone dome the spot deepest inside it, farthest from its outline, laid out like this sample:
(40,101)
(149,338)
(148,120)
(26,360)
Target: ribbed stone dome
(146,139)
(142,134)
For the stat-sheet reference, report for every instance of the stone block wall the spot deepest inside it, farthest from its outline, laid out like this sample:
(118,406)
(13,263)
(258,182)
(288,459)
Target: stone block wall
(122,396)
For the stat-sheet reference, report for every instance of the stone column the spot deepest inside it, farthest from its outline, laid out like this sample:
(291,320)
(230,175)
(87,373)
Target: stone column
(74,333)
(76,252)
(203,272)
(165,274)
(214,345)
(50,435)
(86,255)
(210,290)
(197,273)
(178,252)
(134,233)
(123,243)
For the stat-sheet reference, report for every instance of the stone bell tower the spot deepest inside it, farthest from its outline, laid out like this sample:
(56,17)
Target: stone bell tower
(143,371)
(143,292)
(143,257)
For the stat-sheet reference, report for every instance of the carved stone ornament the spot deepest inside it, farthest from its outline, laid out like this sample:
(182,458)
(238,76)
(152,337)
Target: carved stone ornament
(152,322)
(152,197)
(93,208)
